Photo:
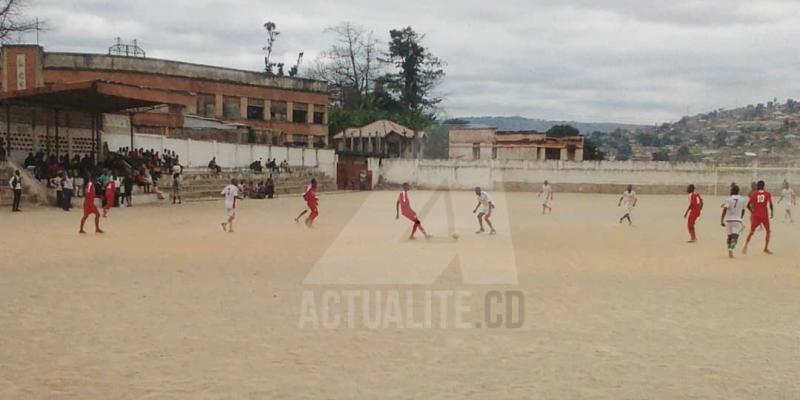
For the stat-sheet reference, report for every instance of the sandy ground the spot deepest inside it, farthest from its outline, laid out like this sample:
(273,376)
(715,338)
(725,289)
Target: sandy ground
(165,305)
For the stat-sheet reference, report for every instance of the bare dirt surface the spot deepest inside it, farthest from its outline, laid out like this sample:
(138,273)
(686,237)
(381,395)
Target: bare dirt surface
(166,305)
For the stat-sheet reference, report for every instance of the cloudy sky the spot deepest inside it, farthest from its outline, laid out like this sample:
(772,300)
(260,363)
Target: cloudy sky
(634,61)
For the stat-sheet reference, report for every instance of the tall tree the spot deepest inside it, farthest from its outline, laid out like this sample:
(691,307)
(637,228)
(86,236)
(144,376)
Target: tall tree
(272,36)
(12,20)
(350,64)
(417,71)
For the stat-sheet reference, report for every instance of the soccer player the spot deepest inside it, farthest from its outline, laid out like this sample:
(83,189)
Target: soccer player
(404,205)
(546,196)
(486,211)
(231,193)
(759,214)
(693,211)
(110,194)
(312,202)
(630,200)
(732,216)
(89,207)
(789,200)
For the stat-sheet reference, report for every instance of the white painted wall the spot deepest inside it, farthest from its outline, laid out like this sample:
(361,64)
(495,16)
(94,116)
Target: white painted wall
(602,176)
(195,153)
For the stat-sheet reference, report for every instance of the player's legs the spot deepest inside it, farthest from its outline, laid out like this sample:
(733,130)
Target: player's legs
(418,225)
(754,225)
(769,233)
(489,222)
(690,224)
(312,216)
(300,216)
(97,222)
(628,217)
(480,222)
(83,221)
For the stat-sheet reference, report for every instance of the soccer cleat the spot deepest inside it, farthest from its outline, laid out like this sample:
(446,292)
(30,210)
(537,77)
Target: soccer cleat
(224,226)
(493,232)
(478,232)
(427,236)
(767,251)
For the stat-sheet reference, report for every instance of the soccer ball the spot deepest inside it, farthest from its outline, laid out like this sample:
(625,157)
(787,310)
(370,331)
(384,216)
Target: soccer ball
(455,236)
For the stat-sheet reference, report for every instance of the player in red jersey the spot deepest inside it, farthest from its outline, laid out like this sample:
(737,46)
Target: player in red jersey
(404,206)
(693,211)
(89,207)
(111,190)
(759,214)
(312,202)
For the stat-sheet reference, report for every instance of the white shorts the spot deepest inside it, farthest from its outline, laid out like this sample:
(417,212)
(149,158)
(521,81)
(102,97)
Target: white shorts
(486,210)
(546,202)
(628,208)
(734,227)
(231,212)
(787,206)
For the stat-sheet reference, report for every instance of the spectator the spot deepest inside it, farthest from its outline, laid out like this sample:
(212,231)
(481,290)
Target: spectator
(256,166)
(213,165)
(176,188)
(270,187)
(57,182)
(285,166)
(67,188)
(16,185)
(30,161)
(127,186)
(2,151)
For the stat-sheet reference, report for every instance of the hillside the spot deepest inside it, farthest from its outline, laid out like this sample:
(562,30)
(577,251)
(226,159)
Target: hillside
(768,133)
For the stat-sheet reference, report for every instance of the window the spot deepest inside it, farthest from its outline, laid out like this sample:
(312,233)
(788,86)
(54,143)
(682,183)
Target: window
(476,151)
(278,111)
(319,114)
(255,109)
(299,113)
(552,154)
(206,103)
(231,107)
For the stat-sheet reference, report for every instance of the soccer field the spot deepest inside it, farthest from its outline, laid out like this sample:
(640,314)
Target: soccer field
(167,305)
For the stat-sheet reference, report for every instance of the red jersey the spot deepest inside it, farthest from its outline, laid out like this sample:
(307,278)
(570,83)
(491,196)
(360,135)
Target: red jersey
(694,202)
(89,194)
(759,202)
(405,205)
(310,196)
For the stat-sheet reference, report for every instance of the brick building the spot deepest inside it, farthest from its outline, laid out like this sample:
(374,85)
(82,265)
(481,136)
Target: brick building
(476,143)
(264,109)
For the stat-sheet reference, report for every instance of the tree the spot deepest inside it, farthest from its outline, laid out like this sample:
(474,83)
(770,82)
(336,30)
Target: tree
(683,154)
(661,155)
(12,21)
(417,71)
(624,152)
(591,152)
(721,138)
(272,36)
(350,64)
(437,141)
(562,131)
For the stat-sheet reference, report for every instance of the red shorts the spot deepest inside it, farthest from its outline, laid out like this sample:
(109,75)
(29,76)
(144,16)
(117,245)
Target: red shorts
(90,209)
(412,216)
(756,221)
(693,216)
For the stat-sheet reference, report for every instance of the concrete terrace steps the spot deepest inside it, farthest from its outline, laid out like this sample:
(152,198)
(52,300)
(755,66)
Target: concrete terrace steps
(202,184)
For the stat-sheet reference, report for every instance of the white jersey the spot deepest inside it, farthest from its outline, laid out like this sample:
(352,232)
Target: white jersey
(734,208)
(787,197)
(628,199)
(547,193)
(485,200)
(230,192)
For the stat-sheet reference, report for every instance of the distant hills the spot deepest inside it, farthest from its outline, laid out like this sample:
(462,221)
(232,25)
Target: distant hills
(540,125)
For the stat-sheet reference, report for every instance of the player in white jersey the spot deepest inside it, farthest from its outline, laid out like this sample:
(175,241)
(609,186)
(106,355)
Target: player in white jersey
(629,199)
(789,200)
(546,196)
(231,193)
(486,204)
(732,217)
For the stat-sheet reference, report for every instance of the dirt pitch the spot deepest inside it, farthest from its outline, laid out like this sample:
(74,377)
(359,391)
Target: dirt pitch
(166,305)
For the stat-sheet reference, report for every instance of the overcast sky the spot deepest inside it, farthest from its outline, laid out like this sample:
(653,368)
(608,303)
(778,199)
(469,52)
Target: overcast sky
(634,61)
